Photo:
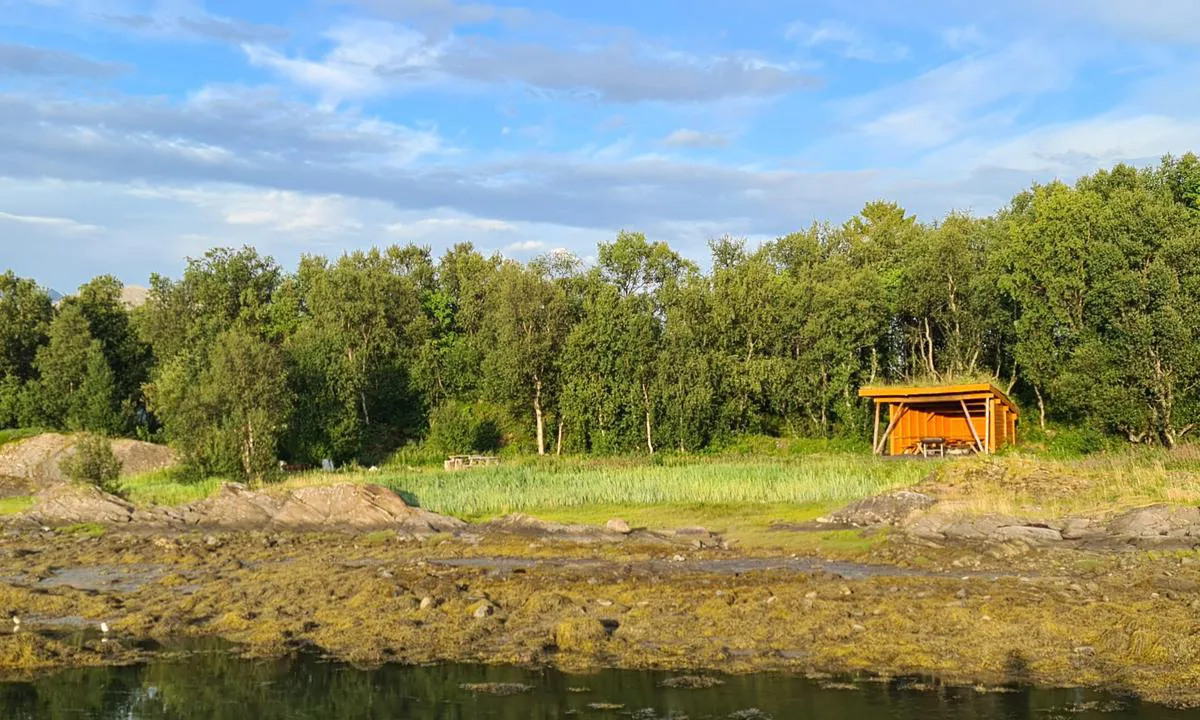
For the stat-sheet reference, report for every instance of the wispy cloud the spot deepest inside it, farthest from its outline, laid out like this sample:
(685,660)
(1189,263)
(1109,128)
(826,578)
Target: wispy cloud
(963,37)
(55,223)
(846,40)
(685,137)
(23,60)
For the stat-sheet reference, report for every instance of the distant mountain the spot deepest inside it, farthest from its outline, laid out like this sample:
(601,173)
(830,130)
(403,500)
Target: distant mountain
(131,295)
(134,295)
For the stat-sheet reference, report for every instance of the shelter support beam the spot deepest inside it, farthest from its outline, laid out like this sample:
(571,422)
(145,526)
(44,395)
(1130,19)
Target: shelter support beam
(971,425)
(891,426)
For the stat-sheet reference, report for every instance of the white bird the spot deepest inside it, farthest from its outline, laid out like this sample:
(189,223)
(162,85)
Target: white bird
(104,628)
(16,620)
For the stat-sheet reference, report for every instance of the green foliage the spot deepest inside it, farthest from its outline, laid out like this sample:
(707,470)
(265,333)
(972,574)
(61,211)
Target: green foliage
(94,462)
(460,428)
(25,315)
(1082,300)
(227,411)
(76,389)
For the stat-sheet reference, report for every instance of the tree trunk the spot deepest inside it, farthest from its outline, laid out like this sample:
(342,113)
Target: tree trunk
(537,412)
(1041,407)
(558,446)
(649,435)
(248,449)
(366,415)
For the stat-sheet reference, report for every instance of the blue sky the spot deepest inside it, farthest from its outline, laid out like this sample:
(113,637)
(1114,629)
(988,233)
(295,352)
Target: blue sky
(135,133)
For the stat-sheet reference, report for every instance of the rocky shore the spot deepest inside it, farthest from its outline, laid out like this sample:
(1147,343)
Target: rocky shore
(356,573)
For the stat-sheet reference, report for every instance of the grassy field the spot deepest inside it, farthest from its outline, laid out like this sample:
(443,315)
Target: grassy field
(562,485)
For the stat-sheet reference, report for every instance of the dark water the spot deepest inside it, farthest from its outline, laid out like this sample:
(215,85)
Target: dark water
(217,686)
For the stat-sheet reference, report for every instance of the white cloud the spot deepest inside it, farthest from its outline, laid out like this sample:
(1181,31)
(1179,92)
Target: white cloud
(55,223)
(368,58)
(848,41)
(525,246)
(685,137)
(961,96)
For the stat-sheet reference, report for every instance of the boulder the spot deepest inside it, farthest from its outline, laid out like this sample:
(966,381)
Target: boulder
(618,525)
(886,509)
(70,503)
(1032,534)
(233,506)
(1156,522)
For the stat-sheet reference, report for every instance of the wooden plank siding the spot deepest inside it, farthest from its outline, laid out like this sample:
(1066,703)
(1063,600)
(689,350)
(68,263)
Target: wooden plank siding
(914,414)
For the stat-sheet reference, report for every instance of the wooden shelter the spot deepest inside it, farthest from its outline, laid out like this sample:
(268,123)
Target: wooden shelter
(943,419)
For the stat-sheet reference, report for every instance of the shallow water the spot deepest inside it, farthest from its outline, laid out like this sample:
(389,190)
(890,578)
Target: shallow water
(218,686)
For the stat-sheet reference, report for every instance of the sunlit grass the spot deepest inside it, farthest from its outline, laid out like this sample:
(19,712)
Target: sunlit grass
(818,480)
(15,434)
(165,487)
(14,505)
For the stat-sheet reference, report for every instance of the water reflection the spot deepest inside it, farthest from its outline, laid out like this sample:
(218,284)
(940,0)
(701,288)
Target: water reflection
(217,686)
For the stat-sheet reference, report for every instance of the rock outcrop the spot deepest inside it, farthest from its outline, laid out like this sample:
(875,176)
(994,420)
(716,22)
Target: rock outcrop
(887,509)
(345,507)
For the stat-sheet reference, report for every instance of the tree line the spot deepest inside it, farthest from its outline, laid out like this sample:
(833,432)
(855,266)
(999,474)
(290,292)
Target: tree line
(1081,300)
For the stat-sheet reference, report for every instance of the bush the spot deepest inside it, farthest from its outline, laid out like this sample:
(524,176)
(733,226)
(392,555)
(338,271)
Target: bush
(93,462)
(456,428)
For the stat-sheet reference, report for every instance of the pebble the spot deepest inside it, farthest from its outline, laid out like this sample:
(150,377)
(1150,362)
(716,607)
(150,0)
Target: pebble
(604,603)
(858,628)
(811,594)
(426,602)
(483,611)
(961,594)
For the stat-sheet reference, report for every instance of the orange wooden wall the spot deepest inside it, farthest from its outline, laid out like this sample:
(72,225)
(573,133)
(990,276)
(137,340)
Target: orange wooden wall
(947,420)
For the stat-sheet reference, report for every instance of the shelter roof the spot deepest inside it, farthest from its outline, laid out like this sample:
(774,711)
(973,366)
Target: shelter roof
(936,393)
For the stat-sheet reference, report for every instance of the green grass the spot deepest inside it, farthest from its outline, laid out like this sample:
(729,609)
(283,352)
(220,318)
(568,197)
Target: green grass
(14,505)
(816,480)
(93,530)
(15,434)
(165,487)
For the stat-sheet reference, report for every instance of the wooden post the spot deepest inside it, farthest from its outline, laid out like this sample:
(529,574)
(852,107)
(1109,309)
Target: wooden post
(891,426)
(987,427)
(875,427)
(971,425)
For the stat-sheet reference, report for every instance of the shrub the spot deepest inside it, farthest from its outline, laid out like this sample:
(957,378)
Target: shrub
(456,428)
(93,462)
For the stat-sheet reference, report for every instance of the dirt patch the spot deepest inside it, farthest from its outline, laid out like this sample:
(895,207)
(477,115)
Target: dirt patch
(36,460)
(520,524)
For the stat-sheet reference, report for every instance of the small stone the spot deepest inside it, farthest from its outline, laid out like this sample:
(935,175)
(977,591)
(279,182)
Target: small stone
(773,599)
(858,628)
(618,525)
(211,541)
(810,594)
(426,602)
(483,610)
(678,558)
(961,594)
(1154,595)
(846,590)
(604,603)
(1075,587)
(385,574)
(986,618)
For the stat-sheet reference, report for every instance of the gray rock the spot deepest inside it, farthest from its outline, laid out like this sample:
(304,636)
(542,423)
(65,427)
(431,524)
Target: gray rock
(886,509)
(1077,528)
(483,610)
(1157,522)
(1029,533)
(618,525)
(69,503)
